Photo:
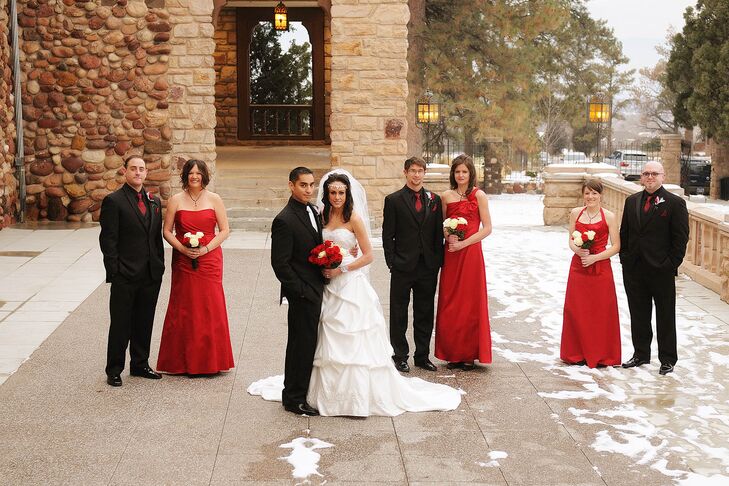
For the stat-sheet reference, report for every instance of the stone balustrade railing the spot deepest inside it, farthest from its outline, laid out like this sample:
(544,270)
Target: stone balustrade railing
(707,254)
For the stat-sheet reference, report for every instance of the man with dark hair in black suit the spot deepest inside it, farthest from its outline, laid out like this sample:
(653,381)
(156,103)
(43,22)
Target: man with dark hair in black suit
(653,237)
(295,231)
(131,241)
(412,237)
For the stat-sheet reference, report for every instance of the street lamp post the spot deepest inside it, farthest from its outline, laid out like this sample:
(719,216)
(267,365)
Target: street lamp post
(427,115)
(598,112)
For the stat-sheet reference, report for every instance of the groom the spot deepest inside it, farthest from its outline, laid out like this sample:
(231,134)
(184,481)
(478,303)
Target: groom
(412,237)
(653,237)
(295,231)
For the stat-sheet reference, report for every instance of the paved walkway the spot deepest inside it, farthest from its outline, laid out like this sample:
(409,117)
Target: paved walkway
(525,419)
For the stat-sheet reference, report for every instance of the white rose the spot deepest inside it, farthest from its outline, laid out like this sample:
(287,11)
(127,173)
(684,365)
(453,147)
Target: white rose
(578,241)
(590,235)
(447,222)
(576,234)
(322,254)
(462,221)
(453,224)
(194,238)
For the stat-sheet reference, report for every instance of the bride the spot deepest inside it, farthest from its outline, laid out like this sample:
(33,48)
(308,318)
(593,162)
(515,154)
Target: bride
(353,373)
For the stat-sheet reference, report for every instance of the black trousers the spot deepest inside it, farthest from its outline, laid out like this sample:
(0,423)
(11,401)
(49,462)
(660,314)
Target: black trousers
(303,320)
(422,282)
(131,307)
(645,286)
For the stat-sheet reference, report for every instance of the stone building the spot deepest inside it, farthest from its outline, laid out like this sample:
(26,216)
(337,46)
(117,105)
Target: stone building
(105,79)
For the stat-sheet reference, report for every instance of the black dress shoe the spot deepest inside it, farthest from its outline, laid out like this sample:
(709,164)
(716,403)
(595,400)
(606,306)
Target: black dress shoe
(145,373)
(456,365)
(302,409)
(426,365)
(401,365)
(114,380)
(633,362)
(468,366)
(665,369)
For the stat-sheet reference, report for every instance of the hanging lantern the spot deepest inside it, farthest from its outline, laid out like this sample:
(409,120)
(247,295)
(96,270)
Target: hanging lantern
(280,17)
(428,110)
(598,109)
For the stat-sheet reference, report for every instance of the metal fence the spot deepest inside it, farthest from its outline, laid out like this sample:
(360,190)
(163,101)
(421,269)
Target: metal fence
(631,156)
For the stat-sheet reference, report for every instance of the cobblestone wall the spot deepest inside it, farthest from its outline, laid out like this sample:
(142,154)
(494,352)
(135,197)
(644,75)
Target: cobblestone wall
(95,91)
(8,184)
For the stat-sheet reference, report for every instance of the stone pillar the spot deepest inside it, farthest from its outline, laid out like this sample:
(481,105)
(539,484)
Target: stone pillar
(192,84)
(671,157)
(563,188)
(719,166)
(369,91)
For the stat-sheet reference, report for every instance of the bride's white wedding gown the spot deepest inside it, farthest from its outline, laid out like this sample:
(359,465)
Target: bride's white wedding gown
(353,371)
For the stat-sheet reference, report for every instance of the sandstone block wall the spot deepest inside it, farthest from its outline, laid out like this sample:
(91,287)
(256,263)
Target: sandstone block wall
(192,85)
(95,90)
(9,204)
(369,44)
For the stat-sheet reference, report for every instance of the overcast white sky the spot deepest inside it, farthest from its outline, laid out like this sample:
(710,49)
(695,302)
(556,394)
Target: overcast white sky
(641,24)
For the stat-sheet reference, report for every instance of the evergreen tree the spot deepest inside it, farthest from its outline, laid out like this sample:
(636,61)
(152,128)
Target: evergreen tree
(279,77)
(698,67)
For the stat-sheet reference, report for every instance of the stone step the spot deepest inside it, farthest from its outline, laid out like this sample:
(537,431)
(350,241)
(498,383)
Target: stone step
(251,223)
(249,212)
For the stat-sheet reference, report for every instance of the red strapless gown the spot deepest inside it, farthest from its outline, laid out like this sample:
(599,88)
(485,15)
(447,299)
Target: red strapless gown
(462,331)
(591,327)
(195,337)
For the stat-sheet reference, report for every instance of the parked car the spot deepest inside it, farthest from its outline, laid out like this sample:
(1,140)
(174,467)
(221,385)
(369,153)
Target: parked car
(630,162)
(696,174)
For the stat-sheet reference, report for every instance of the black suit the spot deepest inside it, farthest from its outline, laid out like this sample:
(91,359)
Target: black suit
(134,262)
(292,239)
(652,247)
(413,244)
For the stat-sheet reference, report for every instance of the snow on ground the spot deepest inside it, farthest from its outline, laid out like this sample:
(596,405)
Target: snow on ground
(681,419)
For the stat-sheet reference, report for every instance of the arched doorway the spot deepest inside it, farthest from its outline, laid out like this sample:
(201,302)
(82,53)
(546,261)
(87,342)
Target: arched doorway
(281,88)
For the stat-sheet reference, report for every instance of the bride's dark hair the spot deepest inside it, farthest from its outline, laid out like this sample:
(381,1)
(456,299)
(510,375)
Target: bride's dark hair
(348,204)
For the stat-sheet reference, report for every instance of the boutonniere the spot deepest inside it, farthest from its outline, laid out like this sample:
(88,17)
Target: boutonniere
(430,199)
(659,200)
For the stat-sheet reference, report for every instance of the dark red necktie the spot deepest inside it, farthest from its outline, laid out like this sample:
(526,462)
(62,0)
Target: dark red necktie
(648,202)
(418,202)
(140,204)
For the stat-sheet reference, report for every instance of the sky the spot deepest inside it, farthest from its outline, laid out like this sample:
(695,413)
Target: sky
(640,24)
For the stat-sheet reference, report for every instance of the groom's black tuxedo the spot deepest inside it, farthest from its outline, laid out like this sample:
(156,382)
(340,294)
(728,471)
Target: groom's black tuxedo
(292,239)
(413,245)
(652,247)
(131,243)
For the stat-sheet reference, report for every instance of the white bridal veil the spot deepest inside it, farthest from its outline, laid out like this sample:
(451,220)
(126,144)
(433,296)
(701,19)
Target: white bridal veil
(359,197)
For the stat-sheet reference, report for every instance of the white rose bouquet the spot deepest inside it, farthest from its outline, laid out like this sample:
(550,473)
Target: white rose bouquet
(456,226)
(192,240)
(584,239)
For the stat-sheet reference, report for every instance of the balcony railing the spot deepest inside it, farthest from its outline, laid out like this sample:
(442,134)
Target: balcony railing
(285,121)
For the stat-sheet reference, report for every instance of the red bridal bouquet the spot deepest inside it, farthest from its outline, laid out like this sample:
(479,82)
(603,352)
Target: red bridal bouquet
(326,255)
(456,226)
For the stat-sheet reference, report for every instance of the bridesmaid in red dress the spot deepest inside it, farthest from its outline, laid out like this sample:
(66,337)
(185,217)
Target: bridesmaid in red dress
(462,332)
(591,328)
(195,337)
